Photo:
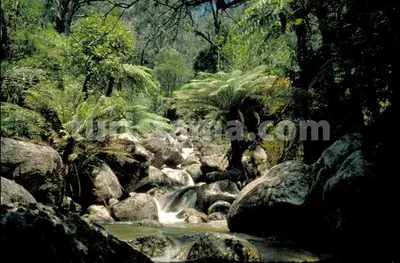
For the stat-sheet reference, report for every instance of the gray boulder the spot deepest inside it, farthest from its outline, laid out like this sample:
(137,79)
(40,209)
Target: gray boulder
(191,158)
(128,160)
(135,208)
(99,213)
(164,153)
(179,177)
(195,172)
(274,202)
(37,168)
(11,192)
(153,145)
(37,233)
(216,246)
(152,246)
(105,184)
(158,178)
(212,149)
(213,163)
(168,156)
(348,199)
(331,160)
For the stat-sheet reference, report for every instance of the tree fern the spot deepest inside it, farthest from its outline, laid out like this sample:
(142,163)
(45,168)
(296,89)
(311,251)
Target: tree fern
(223,94)
(236,96)
(77,115)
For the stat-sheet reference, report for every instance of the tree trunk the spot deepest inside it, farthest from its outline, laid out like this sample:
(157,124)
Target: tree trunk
(235,154)
(66,10)
(86,85)
(110,87)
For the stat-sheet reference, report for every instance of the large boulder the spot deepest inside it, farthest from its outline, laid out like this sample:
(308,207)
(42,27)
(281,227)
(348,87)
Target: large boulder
(164,153)
(153,145)
(37,233)
(179,177)
(99,213)
(194,171)
(136,207)
(37,168)
(216,246)
(350,203)
(158,178)
(164,178)
(105,184)
(208,194)
(127,159)
(190,158)
(274,202)
(331,160)
(11,192)
(168,156)
(153,245)
(323,170)
(213,163)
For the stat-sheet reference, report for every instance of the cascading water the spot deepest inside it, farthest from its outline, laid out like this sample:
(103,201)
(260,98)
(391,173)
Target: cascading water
(170,204)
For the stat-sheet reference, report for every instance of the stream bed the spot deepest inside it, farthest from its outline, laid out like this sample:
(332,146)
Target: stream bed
(183,235)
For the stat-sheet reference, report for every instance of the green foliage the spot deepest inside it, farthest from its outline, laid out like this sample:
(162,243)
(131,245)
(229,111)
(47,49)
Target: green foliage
(18,122)
(170,71)
(139,79)
(23,28)
(63,101)
(248,46)
(98,44)
(40,47)
(16,80)
(77,114)
(233,96)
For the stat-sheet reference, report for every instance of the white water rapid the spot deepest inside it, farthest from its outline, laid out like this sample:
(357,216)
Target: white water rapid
(170,204)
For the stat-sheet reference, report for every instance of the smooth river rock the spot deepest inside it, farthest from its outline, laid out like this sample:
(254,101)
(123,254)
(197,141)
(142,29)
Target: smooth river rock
(11,192)
(135,208)
(37,168)
(272,204)
(216,246)
(38,233)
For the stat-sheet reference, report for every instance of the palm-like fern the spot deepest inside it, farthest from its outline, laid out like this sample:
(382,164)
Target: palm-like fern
(77,115)
(237,96)
(227,96)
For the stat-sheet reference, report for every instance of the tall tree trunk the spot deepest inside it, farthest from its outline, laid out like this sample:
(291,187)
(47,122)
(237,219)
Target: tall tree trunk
(86,85)
(235,154)
(110,87)
(5,39)
(66,10)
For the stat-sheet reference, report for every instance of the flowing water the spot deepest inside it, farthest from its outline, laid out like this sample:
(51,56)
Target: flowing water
(170,204)
(184,234)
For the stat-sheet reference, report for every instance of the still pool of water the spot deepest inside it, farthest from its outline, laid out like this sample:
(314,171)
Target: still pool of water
(271,249)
